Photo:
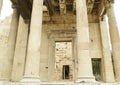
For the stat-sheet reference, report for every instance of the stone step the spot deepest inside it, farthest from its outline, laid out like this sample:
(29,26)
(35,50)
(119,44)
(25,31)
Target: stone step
(8,83)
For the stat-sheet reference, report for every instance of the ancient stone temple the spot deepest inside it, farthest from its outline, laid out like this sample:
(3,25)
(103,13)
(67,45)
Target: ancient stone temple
(61,41)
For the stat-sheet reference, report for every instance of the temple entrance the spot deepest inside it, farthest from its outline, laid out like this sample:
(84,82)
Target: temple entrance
(63,61)
(96,65)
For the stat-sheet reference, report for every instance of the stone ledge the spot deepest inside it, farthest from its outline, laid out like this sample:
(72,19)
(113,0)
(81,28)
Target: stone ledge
(57,83)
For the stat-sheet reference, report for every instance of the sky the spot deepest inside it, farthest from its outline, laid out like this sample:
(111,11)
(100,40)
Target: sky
(7,10)
(117,12)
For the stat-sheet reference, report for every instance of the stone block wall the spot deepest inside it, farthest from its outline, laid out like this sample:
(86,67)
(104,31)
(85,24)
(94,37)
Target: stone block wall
(63,56)
(48,61)
(95,40)
(4,36)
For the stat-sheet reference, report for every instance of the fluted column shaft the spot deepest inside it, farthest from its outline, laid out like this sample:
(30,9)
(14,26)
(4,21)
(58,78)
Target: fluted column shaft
(32,67)
(12,40)
(7,63)
(84,59)
(115,40)
(20,50)
(107,59)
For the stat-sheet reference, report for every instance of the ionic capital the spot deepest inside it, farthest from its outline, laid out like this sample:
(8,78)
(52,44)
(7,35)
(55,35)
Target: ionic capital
(108,3)
(14,6)
(27,21)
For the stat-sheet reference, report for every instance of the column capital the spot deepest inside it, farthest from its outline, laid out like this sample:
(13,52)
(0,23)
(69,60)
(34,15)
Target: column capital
(27,21)
(108,3)
(102,18)
(14,6)
(15,9)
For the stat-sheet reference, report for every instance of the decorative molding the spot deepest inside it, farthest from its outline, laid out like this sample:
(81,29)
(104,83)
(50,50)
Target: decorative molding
(65,33)
(62,4)
(90,4)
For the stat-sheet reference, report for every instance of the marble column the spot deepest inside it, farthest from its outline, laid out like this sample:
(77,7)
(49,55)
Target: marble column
(85,72)
(1,3)
(20,50)
(51,60)
(11,44)
(32,67)
(75,58)
(115,40)
(107,59)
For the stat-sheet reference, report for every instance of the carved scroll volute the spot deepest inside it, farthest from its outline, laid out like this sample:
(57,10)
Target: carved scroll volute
(108,3)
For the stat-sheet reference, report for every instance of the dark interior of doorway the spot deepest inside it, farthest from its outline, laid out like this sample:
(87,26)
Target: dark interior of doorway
(96,65)
(65,72)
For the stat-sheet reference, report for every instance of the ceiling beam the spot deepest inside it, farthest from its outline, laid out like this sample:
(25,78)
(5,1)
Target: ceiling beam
(49,5)
(90,5)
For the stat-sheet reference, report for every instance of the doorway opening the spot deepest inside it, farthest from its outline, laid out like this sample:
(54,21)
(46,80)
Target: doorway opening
(96,65)
(63,61)
(65,71)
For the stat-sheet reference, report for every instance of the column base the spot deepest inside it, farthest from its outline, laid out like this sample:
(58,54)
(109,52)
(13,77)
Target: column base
(85,79)
(30,80)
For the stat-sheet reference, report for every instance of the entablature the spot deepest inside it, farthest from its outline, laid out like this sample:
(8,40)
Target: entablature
(58,7)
